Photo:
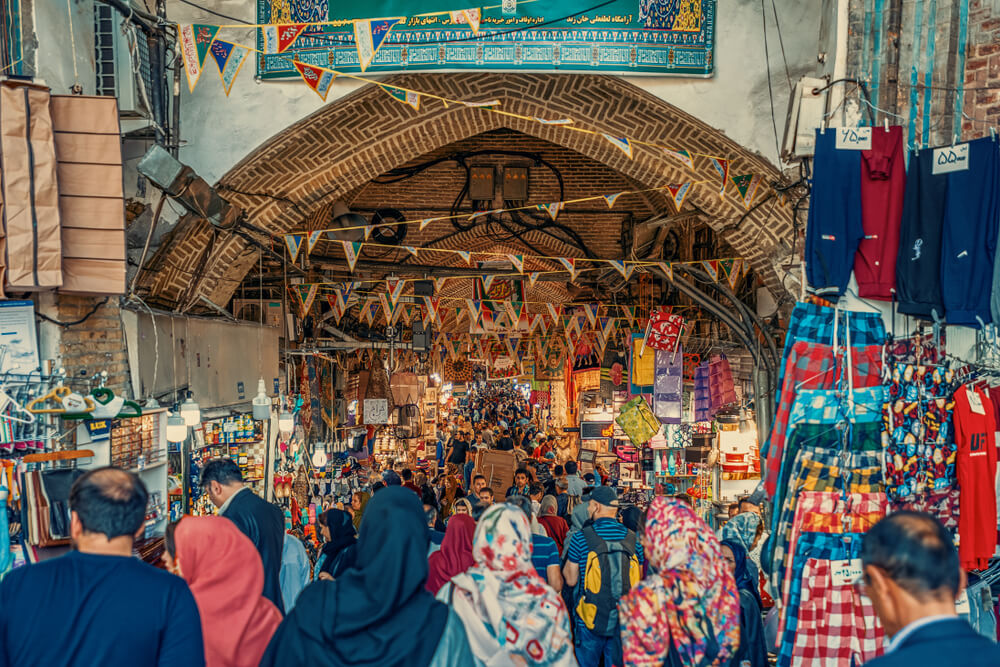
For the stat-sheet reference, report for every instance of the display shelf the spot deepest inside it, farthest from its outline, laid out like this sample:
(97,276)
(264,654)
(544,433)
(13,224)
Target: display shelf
(151,466)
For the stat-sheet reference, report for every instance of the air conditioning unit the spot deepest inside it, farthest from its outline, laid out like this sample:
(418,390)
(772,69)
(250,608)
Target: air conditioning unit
(122,63)
(806,113)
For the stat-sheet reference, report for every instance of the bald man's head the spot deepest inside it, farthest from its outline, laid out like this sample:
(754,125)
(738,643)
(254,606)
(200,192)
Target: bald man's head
(110,501)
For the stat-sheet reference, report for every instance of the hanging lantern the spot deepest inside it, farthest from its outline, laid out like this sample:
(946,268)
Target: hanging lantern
(176,428)
(190,411)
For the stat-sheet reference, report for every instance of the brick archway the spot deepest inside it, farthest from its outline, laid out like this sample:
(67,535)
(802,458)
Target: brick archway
(349,142)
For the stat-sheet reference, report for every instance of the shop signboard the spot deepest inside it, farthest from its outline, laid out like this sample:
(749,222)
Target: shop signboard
(376,411)
(632,37)
(596,430)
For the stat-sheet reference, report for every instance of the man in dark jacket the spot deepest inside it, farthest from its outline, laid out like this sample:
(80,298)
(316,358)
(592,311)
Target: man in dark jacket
(912,575)
(259,520)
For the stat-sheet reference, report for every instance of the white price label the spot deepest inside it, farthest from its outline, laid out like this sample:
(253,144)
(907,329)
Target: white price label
(951,158)
(854,138)
(975,402)
(962,603)
(846,572)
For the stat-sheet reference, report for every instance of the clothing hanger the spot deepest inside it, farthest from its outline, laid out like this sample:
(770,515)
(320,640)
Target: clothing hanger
(5,400)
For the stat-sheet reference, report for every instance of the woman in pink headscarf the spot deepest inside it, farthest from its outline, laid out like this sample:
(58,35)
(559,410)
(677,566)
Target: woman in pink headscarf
(224,571)
(688,602)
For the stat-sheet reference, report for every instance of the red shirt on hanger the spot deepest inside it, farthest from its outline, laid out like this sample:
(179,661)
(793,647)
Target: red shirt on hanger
(975,427)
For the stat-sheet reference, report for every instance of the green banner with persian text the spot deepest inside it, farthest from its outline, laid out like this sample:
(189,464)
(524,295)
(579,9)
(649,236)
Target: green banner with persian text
(631,37)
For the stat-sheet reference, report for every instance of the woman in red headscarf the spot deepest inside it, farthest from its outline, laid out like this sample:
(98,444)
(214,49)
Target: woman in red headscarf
(224,571)
(455,555)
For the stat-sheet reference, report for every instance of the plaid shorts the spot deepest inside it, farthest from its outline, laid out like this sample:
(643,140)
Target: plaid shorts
(836,624)
(864,437)
(824,512)
(814,323)
(819,471)
(818,546)
(813,366)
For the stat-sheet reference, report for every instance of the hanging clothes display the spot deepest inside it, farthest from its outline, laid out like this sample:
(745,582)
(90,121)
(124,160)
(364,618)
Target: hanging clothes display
(975,435)
(883,184)
(721,387)
(668,385)
(834,227)
(702,394)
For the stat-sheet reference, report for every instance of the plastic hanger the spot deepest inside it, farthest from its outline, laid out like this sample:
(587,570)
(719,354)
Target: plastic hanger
(5,400)
(56,394)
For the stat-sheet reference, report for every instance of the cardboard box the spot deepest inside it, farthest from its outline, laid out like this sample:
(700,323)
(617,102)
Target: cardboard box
(498,469)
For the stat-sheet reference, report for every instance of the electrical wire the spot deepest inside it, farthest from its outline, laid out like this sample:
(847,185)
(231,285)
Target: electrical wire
(770,91)
(781,43)
(482,36)
(73,323)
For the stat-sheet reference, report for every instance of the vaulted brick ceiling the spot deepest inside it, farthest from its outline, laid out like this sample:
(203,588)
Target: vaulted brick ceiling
(291,181)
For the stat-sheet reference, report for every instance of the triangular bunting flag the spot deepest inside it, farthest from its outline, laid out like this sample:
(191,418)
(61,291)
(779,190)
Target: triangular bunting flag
(668,269)
(195,41)
(607,328)
(314,239)
(621,143)
(229,58)
(410,249)
(570,264)
(370,308)
(391,312)
(722,166)
(405,96)
(487,283)
(439,283)
(682,156)
(678,193)
(511,312)
(552,209)
(611,199)
(317,78)
(746,186)
(624,268)
(277,38)
(630,312)
(518,262)
(734,273)
(306,295)
(338,307)
(555,121)
(395,287)
(533,278)
(471,16)
(711,266)
(368,231)
(425,222)
(352,249)
(369,36)
(294,243)
(590,310)
(467,256)
(475,308)
(554,311)
(432,304)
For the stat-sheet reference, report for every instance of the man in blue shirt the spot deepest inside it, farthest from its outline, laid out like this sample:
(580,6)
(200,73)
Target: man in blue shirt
(544,552)
(98,605)
(603,510)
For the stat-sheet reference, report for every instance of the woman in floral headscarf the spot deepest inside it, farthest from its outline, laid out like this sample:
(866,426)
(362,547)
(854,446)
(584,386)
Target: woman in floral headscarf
(689,599)
(505,606)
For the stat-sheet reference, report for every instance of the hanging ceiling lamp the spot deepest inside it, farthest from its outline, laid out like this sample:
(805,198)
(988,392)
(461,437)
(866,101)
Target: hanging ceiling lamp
(190,411)
(176,428)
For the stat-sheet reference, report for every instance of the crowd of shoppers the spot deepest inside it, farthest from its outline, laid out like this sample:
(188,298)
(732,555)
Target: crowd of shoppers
(444,573)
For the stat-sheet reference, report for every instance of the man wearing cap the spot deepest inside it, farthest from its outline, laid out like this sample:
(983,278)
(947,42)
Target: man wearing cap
(607,542)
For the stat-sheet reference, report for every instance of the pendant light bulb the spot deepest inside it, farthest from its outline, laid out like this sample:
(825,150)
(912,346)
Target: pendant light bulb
(190,411)
(176,428)
(261,402)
